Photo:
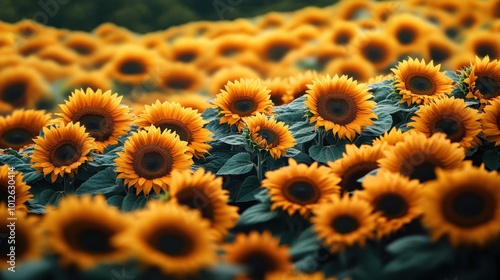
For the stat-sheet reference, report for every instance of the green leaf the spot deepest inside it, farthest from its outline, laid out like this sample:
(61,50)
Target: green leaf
(219,130)
(133,202)
(45,196)
(237,164)
(210,114)
(116,200)
(215,161)
(325,154)
(34,270)
(291,152)
(491,159)
(248,190)
(303,132)
(381,90)
(302,158)
(106,160)
(307,243)
(408,243)
(383,124)
(234,139)
(36,208)
(103,182)
(12,161)
(420,262)
(256,214)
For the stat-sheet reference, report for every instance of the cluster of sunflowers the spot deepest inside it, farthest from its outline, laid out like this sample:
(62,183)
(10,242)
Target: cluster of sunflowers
(357,141)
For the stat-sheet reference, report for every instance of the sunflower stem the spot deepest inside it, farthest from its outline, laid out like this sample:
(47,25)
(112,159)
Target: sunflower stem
(259,166)
(68,187)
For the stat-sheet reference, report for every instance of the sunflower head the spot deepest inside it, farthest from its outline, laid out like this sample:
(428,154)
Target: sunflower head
(463,204)
(18,129)
(417,82)
(340,105)
(345,222)
(101,113)
(61,150)
(490,121)
(300,188)
(268,135)
(22,191)
(148,158)
(21,87)
(242,99)
(482,79)
(260,254)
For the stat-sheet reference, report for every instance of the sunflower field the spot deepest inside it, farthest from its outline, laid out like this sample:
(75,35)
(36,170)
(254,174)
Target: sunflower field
(355,141)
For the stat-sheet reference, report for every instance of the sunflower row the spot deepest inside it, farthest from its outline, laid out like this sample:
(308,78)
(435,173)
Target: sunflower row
(40,66)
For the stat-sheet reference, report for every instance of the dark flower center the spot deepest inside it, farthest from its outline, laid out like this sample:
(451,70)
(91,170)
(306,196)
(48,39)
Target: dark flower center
(374,52)
(179,83)
(176,126)
(172,242)
(355,172)
(82,49)
(345,224)
(343,38)
(488,87)
(277,52)
(277,100)
(258,264)
(16,138)
(469,207)
(269,135)
(452,127)
(439,53)
(452,32)
(244,107)
(195,198)
(393,206)
(421,85)
(152,162)
(302,192)
(132,67)
(423,170)
(337,108)
(98,123)
(485,49)
(23,244)
(229,51)
(89,237)
(186,57)
(65,153)
(406,35)
(14,94)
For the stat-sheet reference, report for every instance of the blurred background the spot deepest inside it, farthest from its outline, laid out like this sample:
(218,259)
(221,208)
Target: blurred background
(141,16)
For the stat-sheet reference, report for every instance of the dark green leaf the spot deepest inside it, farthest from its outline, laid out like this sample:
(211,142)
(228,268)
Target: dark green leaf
(248,189)
(291,152)
(408,243)
(302,158)
(256,214)
(116,200)
(237,164)
(381,125)
(33,270)
(103,182)
(133,202)
(45,196)
(234,139)
(307,243)
(325,154)
(491,159)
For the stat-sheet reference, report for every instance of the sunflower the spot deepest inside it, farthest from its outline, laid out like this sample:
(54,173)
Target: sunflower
(179,77)
(36,44)
(203,191)
(102,115)
(61,150)
(18,129)
(354,67)
(490,121)
(484,44)
(439,48)
(82,43)
(408,30)
(342,33)
(419,83)
(340,105)
(231,45)
(171,237)
(230,74)
(354,10)
(27,28)
(58,54)
(483,79)
(355,163)
(254,62)
(81,231)
(463,204)
(132,65)
(149,157)
(242,99)
(391,137)
(268,134)
(260,254)
(310,16)
(295,275)
(50,70)
(21,87)
(299,83)
(21,191)
(272,20)
(27,237)
(417,156)
(185,122)
(452,117)
(395,197)
(94,80)
(279,90)
(345,222)
(300,188)
(377,48)
(188,50)
(275,45)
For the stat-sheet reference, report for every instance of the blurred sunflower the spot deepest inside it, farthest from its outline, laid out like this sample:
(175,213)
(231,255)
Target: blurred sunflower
(21,87)
(452,117)
(132,65)
(230,45)
(295,275)
(242,99)
(482,79)
(353,67)
(230,74)
(418,156)
(355,163)
(279,90)
(81,231)
(377,48)
(95,80)
(272,20)
(344,222)
(300,188)
(340,105)
(490,121)
(185,122)
(310,16)
(274,46)
(438,48)
(484,44)
(391,137)
(58,54)
(27,28)
(34,45)
(18,129)
(419,83)
(82,43)
(172,238)
(408,30)
(268,135)
(61,150)
(260,254)
(395,197)
(101,113)
(149,157)
(342,33)
(188,50)
(28,238)
(354,10)
(463,204)
(179,77)
(299,83)
(21,191)
(203,191)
